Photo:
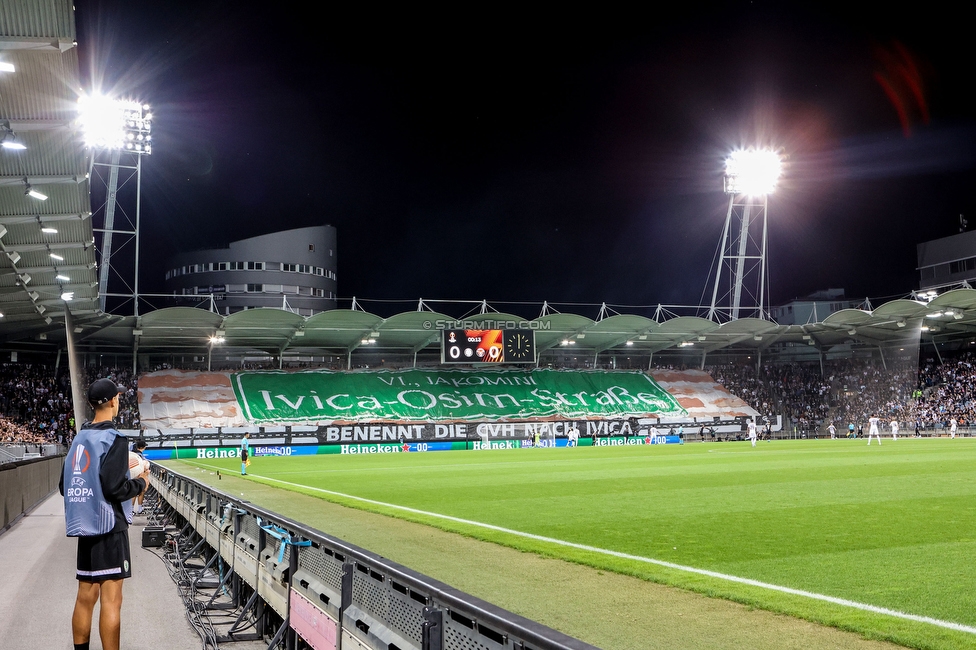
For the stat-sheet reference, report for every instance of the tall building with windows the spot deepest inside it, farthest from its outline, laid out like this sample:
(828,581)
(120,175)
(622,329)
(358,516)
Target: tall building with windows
(291,269)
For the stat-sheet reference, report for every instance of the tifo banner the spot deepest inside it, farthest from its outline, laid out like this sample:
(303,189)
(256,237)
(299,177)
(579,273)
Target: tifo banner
(174,399)
(701,395)
(181,399)
(425,395)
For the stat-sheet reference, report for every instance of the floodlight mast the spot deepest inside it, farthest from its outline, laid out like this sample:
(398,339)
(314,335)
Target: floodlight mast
(116,127)
(750,176)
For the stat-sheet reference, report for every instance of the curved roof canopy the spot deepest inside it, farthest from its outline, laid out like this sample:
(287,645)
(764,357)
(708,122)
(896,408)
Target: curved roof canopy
(343,331)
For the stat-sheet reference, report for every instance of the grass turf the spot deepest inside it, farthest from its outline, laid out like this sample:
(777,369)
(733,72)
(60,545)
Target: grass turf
(890,526)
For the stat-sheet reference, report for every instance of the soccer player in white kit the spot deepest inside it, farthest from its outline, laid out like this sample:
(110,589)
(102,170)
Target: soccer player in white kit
(952,428)
(752,432)
(894,429)
(833,431)
(654,435)
(873,430)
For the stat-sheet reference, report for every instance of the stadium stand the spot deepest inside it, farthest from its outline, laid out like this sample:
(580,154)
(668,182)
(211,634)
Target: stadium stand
(36,404)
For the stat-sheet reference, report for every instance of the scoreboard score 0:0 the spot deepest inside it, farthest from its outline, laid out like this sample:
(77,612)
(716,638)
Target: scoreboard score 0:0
(488,346)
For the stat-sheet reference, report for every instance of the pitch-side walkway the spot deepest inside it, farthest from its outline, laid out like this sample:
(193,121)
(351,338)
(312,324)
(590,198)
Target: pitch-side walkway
(37,589)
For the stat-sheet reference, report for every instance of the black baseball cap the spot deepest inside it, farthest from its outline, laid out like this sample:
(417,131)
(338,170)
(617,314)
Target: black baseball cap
(102,391)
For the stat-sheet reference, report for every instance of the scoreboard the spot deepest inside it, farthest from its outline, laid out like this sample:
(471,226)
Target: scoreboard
(488,346)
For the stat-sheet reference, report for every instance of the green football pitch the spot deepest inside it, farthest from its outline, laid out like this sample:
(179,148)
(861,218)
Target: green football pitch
(878,540)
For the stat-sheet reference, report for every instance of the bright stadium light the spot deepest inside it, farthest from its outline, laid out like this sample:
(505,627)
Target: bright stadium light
(754,172)
(115,124)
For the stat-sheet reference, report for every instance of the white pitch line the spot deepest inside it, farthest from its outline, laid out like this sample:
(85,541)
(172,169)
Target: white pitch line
(638,558)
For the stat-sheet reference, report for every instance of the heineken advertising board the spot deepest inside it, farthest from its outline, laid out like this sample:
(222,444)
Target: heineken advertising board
(448,395)
(287,451)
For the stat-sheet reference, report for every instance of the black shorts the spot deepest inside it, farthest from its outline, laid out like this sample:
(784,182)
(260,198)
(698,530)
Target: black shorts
(104,557)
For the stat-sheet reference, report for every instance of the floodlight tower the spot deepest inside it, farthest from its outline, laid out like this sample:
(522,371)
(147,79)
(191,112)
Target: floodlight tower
(750,176)
(119,134)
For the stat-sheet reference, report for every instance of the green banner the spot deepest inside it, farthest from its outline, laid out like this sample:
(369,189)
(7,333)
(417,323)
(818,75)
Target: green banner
(438,395)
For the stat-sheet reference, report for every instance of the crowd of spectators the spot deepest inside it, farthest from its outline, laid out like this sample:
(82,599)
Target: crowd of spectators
(36,406)
(846,392)
(946,391)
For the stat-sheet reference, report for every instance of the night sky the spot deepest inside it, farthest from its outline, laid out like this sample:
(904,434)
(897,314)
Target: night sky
(569,156)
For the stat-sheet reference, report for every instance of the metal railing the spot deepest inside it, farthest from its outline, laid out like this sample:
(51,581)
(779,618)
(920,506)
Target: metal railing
(356,598)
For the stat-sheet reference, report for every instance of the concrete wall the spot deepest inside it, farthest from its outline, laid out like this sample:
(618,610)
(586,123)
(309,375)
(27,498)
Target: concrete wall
(24,484)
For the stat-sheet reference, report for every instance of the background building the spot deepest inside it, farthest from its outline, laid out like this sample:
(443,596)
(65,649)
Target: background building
(950,260)
(813,308)
(292,269)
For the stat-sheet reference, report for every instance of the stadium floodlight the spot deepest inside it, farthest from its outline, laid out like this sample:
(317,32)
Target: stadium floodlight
(62,277)
(115,124)
(68,296)
(6,66)
(55,256)
(754,172)
(750,177)
(112,127)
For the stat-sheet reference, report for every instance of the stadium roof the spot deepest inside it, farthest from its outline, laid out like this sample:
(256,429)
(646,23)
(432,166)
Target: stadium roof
(344,331)
(38,101)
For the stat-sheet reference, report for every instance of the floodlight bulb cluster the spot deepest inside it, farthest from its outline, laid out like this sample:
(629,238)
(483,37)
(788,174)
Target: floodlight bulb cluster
(114,124)
(754,172)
